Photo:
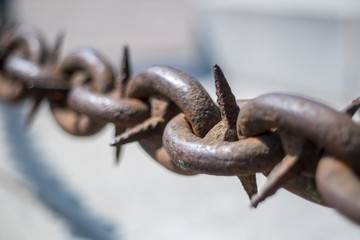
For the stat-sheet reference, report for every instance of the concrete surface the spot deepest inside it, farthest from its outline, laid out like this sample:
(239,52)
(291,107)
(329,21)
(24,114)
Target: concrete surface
(56,186)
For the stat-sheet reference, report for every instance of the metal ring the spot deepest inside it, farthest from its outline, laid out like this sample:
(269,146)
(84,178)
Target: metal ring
(185,91)
(124,112)
(246,156)
(100,79)
(327,128)
(181,89)
(30,45)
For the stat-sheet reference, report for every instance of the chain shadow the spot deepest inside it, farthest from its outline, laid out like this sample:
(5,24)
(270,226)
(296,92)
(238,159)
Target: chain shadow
(47,185)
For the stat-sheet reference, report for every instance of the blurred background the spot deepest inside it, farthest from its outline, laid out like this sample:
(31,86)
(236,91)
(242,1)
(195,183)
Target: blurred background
(56,186)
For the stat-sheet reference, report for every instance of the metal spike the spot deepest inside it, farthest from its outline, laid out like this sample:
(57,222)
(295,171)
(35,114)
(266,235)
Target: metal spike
(124,73)
(352,108)
(118,131)
(286,169)
(249,184)
(33,109)
(77,122)
(55,51)
(229,112)
(227,104)
(140,131)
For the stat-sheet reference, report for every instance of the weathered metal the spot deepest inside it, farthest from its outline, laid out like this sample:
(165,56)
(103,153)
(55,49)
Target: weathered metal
(181,89)
(96,74)
(28,44)
(327,128)
(307,128)
(339,186)
(179,92)
(218,157)
(301,145)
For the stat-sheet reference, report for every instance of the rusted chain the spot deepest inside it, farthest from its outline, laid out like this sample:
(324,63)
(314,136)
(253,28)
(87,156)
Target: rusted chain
(30,45)
(302,145)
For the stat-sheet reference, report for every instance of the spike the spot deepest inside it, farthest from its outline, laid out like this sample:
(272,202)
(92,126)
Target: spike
(55,51)
(249,184)
(286,169)
(229,112)
(124,73)
(227,104)
(118,131)
(117,154)
(353,107)
(140,131)
(33,109)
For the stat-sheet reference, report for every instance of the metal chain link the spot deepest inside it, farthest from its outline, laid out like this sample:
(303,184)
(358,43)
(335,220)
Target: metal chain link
(301,145)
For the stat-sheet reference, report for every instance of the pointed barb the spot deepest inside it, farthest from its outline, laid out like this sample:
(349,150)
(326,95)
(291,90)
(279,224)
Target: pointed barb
(283,171)
(352,108)
(139,132)
(249,184)
(59,42)
(124,73)
(118,131)
(227,103)
(33,110)
(117,155)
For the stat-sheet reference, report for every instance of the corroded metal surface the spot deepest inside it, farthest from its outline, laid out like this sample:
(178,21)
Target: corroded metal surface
(30,45)
(339,186)
(125,112)
(300,144)
(185,91)
(97,75)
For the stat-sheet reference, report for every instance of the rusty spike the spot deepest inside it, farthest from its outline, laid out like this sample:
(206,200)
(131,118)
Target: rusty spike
(51,60)
(151,126)
(33,109)
(120,85)
(285,170)
(229,111)
(352,108)
(249,184)
(124,73)
(55,51)
(139,132)
(118,131)
(117,154)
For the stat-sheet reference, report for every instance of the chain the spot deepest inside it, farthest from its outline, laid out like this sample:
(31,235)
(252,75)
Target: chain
(301,145)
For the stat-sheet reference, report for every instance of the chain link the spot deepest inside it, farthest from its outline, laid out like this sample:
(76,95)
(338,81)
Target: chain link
(302,145)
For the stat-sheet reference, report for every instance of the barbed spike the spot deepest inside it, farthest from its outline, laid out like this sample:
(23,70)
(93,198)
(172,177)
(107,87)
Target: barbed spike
(118,131)
(140,131)
(285,170)
(124,72)
(51,59)
(227,103)
(33,109)
(229,112)
(58,44)
(249,184)
(352,108)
